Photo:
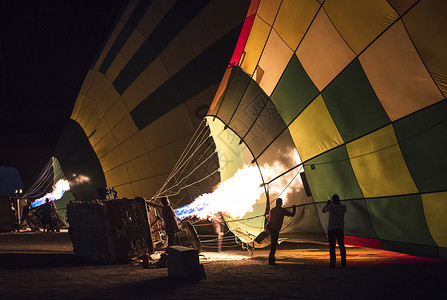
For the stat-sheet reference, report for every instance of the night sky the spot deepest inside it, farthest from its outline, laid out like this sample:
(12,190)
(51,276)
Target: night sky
(46,50)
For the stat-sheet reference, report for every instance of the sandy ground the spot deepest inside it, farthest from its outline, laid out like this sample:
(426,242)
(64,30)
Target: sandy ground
(42,266)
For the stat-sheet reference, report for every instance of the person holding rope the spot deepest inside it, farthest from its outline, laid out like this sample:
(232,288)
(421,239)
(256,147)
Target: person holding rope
(274,224)
(335,228)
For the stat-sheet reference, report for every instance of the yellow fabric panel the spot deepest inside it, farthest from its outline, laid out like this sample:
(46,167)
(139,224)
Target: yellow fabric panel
(221,89)
(273,61)
(119,26)
(132,147)
(80,118)
(397,74)
(314,131)
(116,113)
(172,119)
(213,22)
(117,176)
(93,122)
(125,191)
(146,188)
(154,75)
(140,168)
(104,86)
(268,9)
(178,146)
(116,31)
(105,145)
(163,159)
(156,11)
(110,97)
(379,165)
(323,53)
(202,100)
(427,27)
(154,135)
(173,58)
(124,129)
(161,179)
(133,43)
(112,159)
(77,107)
(86,85)
(294,17)
(360,22)
(101,130)
(89,110)
(401,6)
(116,67)
(94,82)
(255,43)
(435,210)
(134,94)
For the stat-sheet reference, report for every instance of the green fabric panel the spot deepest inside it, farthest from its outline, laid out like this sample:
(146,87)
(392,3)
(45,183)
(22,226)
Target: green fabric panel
(357,221)
(332,174)
(423,141)
(233,94)
(352,103)
(265,130)
(412,249)
(400,219)
(294,91)
(248,110)
(305,222)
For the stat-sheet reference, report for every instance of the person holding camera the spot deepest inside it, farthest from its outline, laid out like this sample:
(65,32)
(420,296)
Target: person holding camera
(335,228)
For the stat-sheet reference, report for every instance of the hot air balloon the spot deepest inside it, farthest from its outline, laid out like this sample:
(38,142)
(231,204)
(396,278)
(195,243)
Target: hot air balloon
(320,97)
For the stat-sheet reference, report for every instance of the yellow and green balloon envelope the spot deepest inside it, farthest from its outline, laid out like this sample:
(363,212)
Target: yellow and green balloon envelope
(323,97)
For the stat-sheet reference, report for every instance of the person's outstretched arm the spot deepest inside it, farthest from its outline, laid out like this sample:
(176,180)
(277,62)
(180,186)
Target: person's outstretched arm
(293,210)
(325,208)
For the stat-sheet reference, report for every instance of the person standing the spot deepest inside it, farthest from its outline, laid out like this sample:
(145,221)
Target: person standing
(170,220)
(274,224)
(46,215)
(335,228)
(25,216)
(219,228)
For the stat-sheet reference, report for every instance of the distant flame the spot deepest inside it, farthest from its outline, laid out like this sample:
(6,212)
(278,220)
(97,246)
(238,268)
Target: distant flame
(58,191)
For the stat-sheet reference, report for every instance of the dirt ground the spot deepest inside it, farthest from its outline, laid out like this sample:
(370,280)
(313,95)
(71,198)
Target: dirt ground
(42,266)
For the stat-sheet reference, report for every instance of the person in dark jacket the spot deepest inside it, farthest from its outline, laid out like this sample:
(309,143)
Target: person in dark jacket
(25,216)
(274,224)
(170,220)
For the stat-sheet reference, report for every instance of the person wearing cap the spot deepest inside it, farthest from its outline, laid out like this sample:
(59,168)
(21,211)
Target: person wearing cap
(335,228)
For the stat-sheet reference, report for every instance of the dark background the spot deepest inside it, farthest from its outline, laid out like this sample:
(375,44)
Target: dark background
(46,50)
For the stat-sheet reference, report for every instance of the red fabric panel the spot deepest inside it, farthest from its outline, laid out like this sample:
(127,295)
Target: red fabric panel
(253,7)
(241,41)
(362,242)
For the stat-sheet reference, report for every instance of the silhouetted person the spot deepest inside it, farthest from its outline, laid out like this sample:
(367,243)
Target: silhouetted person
(335,228)
(274,224)
(170,220)
(219,228)
(46,215)
(14,217)
(25,216)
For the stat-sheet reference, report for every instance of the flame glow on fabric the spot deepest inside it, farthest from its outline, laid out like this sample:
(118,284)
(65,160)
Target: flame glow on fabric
(58,191)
